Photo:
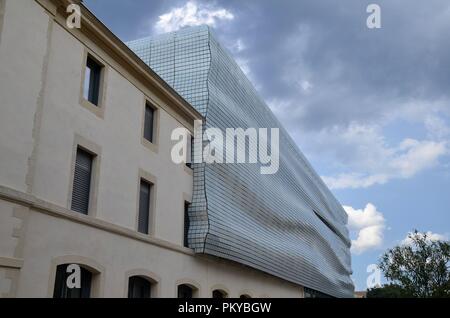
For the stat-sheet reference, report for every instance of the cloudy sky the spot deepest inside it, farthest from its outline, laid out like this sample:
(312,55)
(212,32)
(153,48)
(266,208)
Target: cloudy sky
(370,108)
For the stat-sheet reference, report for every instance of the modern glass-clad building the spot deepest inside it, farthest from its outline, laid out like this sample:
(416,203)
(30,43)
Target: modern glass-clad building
(287,224)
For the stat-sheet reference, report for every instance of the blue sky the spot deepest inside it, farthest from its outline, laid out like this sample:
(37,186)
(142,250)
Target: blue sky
(370,108)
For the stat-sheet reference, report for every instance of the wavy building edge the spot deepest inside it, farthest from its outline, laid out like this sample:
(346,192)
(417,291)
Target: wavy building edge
(288,224)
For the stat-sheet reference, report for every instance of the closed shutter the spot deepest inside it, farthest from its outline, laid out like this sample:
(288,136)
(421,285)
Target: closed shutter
(148,123)
(144,207)
(82,182)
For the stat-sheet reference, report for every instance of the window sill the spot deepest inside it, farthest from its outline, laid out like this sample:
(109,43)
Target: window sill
(188,170)
(97,110)
(149,145)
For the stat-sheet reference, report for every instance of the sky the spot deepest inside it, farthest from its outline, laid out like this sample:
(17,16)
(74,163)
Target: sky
(370,108)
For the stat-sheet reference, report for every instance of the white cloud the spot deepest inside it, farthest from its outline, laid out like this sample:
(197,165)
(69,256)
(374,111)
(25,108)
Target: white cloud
(306,86)
(413,156)
(238,46)
(191,14)
(436,127)
(430,235)
(364,149)
(368,224)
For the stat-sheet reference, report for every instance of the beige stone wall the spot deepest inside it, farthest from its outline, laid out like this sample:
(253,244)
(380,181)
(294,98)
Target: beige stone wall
(43,118)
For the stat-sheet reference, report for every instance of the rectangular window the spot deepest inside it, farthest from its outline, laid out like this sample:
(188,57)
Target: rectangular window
(82,181)
(92,80)
(190,152)
(144,207)
(186,224)
(149,122)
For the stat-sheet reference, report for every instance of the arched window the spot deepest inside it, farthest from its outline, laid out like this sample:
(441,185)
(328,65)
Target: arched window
(245,296)
(71,283)
(139,287)
(185,291)
(218,293)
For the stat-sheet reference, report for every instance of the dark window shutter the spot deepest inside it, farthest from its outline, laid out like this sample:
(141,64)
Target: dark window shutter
(62,291)
(82,182)
(144,207)
(148,123)
(139,287)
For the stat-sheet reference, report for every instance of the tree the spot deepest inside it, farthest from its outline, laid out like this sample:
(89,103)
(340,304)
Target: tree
(420,267)
(388,291)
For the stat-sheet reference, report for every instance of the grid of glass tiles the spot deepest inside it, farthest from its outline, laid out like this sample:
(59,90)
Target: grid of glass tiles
(182,59)
(268,222)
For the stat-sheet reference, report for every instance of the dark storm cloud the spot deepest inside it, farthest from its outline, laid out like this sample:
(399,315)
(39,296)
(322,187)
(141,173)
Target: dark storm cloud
(318,58)
(356,74)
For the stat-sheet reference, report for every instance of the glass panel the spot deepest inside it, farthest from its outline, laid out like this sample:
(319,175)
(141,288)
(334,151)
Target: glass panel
(87,79)
(144,207)
(148,123)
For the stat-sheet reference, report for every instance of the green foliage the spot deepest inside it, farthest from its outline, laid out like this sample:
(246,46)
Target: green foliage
(388,291)
(420,268)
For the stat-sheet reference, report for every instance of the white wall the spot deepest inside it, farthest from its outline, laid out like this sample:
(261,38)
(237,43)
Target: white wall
(41,117)
(22,50)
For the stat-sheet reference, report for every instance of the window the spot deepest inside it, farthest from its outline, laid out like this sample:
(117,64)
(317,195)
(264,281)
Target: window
(144,206)
(244,296)
(149,122)
(190,153)
(92,80)
(82,181)
(186,224)
(185,291)
(61,289)
(139,287)
(217,293)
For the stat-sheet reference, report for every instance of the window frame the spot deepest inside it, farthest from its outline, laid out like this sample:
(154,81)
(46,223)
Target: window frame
(152,145)
(190,152)
(99,108)
(95,78)
(195,286)
(148,211)
(92,156)
(96,269)
(85,292)
(143,279)
(153,278)
(95,150)
(149,130)
(152,180)
(186,218)
(222,292)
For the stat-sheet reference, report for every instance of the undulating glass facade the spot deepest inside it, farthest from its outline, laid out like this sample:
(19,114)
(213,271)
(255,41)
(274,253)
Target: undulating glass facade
(287,224)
